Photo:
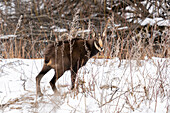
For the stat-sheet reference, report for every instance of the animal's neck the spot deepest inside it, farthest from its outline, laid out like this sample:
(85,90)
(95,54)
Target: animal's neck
(94,50)
(91,50)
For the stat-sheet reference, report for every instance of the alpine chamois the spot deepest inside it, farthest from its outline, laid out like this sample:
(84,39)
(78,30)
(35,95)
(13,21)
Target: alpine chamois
(67,55)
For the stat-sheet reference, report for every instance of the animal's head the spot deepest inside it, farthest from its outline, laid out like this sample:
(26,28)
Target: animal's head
(98,42)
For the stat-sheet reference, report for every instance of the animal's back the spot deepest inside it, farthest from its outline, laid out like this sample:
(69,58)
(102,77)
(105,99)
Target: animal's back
(61,48)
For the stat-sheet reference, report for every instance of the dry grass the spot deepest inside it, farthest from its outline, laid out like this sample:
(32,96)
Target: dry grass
(134,47)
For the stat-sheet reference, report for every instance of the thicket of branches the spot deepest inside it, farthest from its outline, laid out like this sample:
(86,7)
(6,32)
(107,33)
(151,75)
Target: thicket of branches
(29,24)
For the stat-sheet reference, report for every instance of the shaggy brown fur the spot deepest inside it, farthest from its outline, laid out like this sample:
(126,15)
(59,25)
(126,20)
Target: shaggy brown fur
(66,55)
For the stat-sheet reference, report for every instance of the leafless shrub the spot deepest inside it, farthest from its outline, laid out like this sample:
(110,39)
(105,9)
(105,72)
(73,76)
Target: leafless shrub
(125,38)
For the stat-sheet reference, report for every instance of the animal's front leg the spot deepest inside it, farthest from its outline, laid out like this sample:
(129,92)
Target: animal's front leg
(44,70)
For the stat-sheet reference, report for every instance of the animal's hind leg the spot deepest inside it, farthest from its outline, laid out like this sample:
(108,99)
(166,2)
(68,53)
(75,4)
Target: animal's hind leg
(53,81)
(44,70)
(56,76)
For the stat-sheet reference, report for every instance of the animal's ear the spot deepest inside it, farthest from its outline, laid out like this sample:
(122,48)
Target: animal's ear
(100,40)
(98,43)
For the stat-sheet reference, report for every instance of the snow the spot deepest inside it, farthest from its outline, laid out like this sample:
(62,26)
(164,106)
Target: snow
(158,21)
(134,87)
(7,36)
(58,29)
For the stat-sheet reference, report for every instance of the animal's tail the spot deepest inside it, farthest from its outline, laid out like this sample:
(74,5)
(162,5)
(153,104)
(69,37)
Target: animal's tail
(49,52)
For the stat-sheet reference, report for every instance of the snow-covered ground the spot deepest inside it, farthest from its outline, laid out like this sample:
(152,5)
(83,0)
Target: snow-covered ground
(135,87)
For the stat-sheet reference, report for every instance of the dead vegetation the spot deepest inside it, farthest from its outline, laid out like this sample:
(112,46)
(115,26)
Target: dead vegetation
(34,24)
(28,26)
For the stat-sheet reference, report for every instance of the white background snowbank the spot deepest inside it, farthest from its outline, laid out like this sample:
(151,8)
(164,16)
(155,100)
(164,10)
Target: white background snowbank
(134,87)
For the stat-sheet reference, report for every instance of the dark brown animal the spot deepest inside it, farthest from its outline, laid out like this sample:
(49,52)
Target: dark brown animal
(67,55)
